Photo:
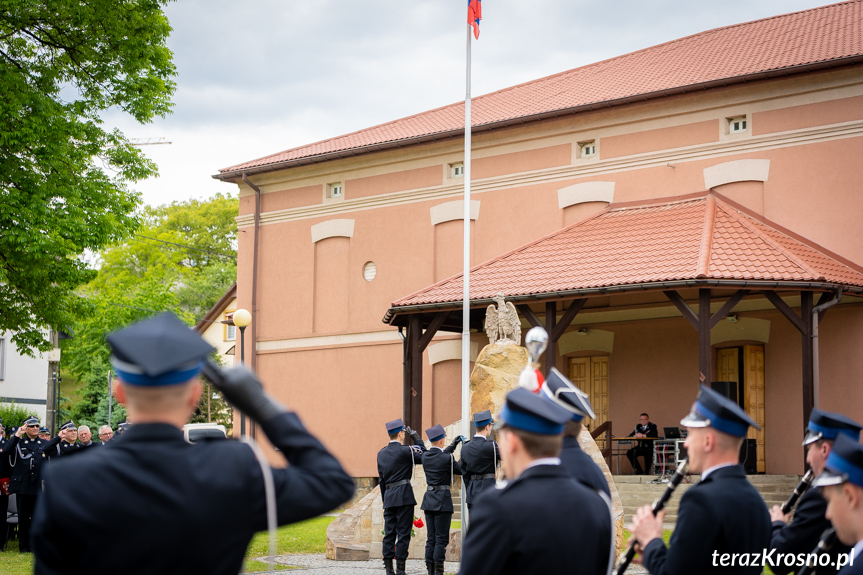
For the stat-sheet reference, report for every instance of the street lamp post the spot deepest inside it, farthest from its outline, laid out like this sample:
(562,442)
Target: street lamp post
(242,318)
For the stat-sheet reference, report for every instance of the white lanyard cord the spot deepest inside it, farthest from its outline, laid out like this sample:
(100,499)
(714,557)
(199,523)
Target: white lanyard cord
(269,490)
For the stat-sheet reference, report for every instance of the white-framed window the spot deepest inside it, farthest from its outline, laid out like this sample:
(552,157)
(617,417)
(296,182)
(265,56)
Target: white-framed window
(370,270)
(587,149)
(737,125)
(230,330)
(456,170)
(335,191)
(2,358)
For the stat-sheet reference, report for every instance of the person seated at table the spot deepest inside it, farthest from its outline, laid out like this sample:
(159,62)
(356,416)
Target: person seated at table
(644,449)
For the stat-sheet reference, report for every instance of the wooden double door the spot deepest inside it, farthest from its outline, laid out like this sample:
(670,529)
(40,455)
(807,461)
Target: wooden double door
(590,374)
(745,366)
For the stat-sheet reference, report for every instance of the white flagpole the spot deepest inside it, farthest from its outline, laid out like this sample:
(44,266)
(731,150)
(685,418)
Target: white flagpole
(465,314)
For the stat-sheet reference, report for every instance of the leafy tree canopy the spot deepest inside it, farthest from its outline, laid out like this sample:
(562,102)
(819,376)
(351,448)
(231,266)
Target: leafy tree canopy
(63,176)
(182,259)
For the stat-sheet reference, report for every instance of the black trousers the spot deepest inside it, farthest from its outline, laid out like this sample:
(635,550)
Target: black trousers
(26,505)
(437,523)
(641,451)
(397,531)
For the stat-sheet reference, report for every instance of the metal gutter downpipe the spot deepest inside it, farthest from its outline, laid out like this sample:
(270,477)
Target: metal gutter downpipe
(816,366)
(254,310)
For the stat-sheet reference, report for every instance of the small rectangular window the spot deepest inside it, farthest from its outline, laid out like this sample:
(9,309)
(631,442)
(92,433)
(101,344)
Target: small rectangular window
(587,149)
(737,125)
(230,330)
(334,190)
(457,170)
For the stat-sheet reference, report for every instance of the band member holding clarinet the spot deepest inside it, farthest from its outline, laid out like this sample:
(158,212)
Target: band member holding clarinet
(841,484)
(721,514)
(804,531)
(542,522)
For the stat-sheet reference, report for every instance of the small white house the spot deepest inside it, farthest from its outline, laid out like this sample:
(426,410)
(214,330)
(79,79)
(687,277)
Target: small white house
(25,380)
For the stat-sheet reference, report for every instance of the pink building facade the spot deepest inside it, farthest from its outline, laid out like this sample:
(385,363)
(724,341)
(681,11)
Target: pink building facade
(333,233)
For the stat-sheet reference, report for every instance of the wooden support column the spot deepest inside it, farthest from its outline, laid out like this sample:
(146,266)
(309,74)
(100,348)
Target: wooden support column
(551,349)
(415,344)
(704,375)
(808,386)
(414,382)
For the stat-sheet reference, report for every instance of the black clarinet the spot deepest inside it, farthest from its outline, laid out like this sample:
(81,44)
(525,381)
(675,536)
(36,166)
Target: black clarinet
(798,491)
(658,506)
(828,538)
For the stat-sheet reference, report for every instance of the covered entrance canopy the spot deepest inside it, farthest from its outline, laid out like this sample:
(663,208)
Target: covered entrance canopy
(631,260)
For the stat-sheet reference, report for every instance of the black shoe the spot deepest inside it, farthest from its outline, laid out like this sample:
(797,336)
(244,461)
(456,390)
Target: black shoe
(400,567)
(438,569)
(430,567)
(388,565)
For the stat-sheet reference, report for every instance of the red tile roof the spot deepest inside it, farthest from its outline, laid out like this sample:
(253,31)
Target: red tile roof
(780,45)
(705,237)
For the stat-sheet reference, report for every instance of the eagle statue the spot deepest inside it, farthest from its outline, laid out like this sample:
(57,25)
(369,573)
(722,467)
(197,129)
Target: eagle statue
(502,323)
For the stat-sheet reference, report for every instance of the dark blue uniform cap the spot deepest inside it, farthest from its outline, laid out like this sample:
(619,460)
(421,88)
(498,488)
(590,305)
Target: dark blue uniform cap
(826,425)
(395,426)
(717,411)
(844,464)
(44,430)
(158,351)
(529,412)
(560,390)
(435,433)
(30,421)
(482,418)
(68,425)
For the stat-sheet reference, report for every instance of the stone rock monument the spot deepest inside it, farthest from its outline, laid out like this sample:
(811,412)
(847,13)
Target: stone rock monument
(356,533)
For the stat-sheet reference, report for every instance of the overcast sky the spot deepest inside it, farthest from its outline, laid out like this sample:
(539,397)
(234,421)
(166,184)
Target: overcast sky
(261,76)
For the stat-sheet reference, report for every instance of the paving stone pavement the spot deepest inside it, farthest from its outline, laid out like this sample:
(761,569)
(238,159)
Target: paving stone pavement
(320,565)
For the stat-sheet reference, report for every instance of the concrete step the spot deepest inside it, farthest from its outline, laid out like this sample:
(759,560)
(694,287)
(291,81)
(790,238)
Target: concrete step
(638,490)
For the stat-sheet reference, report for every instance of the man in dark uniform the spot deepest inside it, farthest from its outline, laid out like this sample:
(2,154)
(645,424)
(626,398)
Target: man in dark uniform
(841,484)
(578,464)
(721,515)
(643,449)
(804,531)
(395,469)
(65,442)
(542,522)
(24,450)
(177,507)
(440,468)
(4,484)
(479,458)
(44,433)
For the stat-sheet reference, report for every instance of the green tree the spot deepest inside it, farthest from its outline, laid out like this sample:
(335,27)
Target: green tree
(63,176)
(182,259)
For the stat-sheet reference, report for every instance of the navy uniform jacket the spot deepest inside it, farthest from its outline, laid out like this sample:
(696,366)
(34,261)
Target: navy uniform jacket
(168,506)
(439,466)
(396,463)
(855,569)
(26,458)
(581,466)
(57,447)
(723,513)
(804,532)
(542,523)
(478,457)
